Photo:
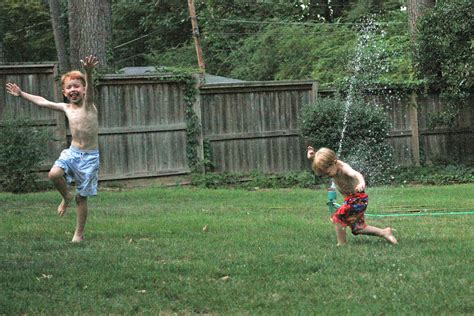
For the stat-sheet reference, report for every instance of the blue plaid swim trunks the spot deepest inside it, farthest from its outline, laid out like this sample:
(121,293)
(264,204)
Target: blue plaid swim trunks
(81,167)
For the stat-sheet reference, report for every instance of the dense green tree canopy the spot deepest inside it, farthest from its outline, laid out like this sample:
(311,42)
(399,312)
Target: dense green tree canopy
(445,46)
(268,40)
(26,32)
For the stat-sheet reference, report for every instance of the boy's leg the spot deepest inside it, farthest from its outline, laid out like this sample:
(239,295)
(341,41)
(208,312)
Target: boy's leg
(56,175)
(374,231)
(340,234)
(81,218)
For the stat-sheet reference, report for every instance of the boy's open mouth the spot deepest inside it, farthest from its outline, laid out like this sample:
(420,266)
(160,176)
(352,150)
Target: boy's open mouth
(73,94)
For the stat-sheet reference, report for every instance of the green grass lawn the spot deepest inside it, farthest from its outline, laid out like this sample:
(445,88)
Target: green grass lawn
(266,252)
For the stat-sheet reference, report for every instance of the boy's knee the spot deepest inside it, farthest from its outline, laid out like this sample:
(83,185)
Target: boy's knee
(81,199)
(55,173)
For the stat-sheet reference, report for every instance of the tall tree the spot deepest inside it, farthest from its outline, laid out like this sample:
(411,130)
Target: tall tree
(416,9)
(59,32)
(90,30)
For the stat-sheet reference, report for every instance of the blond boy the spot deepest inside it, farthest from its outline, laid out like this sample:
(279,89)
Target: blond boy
(80,162)
(351,185)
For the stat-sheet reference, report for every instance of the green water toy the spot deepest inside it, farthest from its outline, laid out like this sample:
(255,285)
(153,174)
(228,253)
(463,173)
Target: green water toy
(331,199)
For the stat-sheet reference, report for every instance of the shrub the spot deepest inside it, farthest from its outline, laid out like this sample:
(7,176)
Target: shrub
(363,142)
(255,180)
(22,149)
(433,175)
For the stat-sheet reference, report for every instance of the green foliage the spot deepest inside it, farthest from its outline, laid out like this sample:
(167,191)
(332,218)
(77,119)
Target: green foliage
(445,55)
(363,144)
(433,175)
(395,176)
(263,41)
(182,56)
(256,180)
(142,28)
(22,149)
(323,52)
(26,31)
(193,125)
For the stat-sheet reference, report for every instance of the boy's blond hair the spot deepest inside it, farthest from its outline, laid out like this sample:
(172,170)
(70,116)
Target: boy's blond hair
(323,159)
(73,75)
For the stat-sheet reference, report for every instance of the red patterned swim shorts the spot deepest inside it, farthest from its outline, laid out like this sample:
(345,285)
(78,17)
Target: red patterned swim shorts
(351,212)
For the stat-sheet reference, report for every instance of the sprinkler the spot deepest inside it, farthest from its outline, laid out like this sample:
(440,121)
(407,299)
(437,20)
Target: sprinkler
(332,205)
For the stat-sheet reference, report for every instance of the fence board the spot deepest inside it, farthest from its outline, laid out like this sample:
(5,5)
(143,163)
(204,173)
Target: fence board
(143,128)
(451,143)
(37,79)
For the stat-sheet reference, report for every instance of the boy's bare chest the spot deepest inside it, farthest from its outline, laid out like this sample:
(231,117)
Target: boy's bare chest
(345,184)
(80,118)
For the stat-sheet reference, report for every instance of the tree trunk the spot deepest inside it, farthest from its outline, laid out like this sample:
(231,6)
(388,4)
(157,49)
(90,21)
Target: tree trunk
(74,34)
(416,9)
(59,35)
(90,30)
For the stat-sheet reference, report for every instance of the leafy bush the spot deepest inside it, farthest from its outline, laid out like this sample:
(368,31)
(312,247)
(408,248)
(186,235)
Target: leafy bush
(256,180)
(363,143)
(22,149)
(434,175)
(426,175)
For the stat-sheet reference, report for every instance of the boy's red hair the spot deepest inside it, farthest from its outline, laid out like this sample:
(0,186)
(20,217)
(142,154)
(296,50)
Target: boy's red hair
(73,75)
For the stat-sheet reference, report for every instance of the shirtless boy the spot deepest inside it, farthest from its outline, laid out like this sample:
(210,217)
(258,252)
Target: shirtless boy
(80,162)
(351,184)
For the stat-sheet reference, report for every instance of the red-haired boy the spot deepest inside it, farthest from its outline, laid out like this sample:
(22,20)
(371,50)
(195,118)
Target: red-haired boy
(80,162)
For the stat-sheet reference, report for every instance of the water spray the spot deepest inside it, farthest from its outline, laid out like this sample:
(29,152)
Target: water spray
(357,67)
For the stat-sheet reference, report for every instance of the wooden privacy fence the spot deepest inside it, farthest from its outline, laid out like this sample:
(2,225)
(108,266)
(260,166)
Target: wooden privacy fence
(246,126)
(40,80)
(142,127)
(415,141)
(254,125)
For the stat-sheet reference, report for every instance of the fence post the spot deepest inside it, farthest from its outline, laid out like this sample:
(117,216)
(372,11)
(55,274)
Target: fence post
(199,80)
(60,131)
(314,92)
(415,135)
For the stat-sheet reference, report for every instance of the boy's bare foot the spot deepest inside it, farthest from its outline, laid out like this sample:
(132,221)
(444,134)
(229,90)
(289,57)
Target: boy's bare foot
(389,236)
(77,238)
(64,204)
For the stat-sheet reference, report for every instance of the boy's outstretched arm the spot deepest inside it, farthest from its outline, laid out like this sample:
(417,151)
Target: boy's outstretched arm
(15,90)
(89,63)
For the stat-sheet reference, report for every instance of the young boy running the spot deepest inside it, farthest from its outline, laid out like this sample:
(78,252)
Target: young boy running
(351,184)
(80,162)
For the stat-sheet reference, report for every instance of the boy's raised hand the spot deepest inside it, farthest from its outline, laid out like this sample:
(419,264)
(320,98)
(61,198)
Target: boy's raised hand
(13,89)
(310,152)
(89,62)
